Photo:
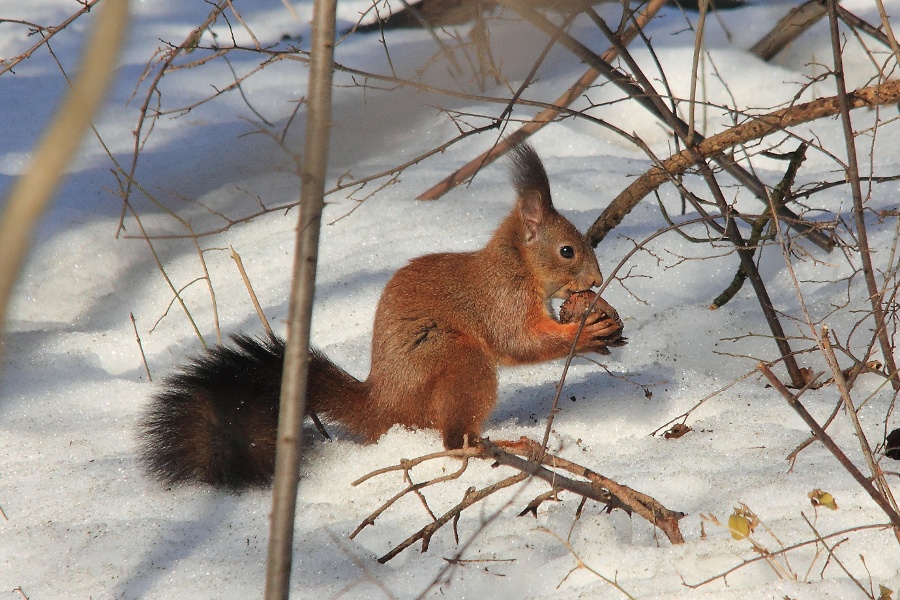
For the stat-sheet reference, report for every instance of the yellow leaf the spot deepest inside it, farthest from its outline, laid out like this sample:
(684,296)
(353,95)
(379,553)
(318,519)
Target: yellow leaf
(739,526)
(820,498)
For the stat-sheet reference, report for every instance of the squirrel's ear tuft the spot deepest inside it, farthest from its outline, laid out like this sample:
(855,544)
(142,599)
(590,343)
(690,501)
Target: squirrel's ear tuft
(532,189)
(528,176)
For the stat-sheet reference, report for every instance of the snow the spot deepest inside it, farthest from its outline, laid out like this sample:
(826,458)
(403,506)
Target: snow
(82,520)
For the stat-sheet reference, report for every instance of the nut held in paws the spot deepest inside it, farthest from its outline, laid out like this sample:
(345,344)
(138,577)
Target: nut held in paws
(575,306)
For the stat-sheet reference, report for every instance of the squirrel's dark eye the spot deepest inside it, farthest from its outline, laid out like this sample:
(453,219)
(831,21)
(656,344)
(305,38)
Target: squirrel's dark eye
(567,252)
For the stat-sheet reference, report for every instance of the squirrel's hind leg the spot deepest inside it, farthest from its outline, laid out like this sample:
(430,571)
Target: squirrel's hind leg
(465,394)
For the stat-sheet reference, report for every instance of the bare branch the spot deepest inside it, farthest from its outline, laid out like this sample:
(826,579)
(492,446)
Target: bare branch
(531,460)
(753,128)
(835,450)
(546,116)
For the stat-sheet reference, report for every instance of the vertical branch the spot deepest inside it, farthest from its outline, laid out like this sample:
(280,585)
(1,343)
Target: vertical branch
(296,359)
(31,193)
(875,295)
(698,48)
(745,254)
(877,477)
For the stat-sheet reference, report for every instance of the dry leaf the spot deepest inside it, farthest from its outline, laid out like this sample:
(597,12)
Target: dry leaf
(676,431)
(820,498)
(739,526)
(742,522)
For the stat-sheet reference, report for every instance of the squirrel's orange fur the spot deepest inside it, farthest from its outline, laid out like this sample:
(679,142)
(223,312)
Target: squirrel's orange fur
(443,325)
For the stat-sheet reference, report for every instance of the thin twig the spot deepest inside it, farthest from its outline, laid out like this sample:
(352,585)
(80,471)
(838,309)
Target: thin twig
(259,311)
(412,488)
(46,34)
(683,416)
(834,556)
(169,57)
(785,550)
(851,412)
(580,564)
(888,30)
(703,5)
(471,497)
(140,346)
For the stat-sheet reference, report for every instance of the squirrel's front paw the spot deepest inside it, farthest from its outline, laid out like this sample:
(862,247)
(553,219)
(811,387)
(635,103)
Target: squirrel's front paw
(605,334)
(603,326)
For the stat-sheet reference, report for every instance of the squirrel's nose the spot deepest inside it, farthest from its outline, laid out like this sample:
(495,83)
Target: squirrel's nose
(587,281)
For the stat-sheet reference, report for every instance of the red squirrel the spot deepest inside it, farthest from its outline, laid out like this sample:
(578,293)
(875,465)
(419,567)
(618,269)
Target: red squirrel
(443,325)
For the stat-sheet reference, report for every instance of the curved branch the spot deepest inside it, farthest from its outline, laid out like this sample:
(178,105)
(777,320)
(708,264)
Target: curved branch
(754,128)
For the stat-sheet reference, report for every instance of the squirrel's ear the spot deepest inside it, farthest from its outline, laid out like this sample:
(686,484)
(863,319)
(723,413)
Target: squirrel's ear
(532,188)
(532,213)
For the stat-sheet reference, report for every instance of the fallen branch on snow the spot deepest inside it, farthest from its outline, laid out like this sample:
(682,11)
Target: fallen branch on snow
(520,455)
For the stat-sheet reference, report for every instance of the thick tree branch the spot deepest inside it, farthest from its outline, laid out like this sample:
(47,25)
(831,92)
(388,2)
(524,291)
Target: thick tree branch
(753,128)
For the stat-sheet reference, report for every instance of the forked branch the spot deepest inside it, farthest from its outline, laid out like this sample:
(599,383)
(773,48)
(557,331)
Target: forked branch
(521,455)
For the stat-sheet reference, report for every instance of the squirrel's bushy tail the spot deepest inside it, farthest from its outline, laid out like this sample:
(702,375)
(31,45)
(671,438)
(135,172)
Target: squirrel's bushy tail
(215,420)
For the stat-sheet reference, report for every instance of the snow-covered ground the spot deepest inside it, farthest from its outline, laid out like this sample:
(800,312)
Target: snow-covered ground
(81,520)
